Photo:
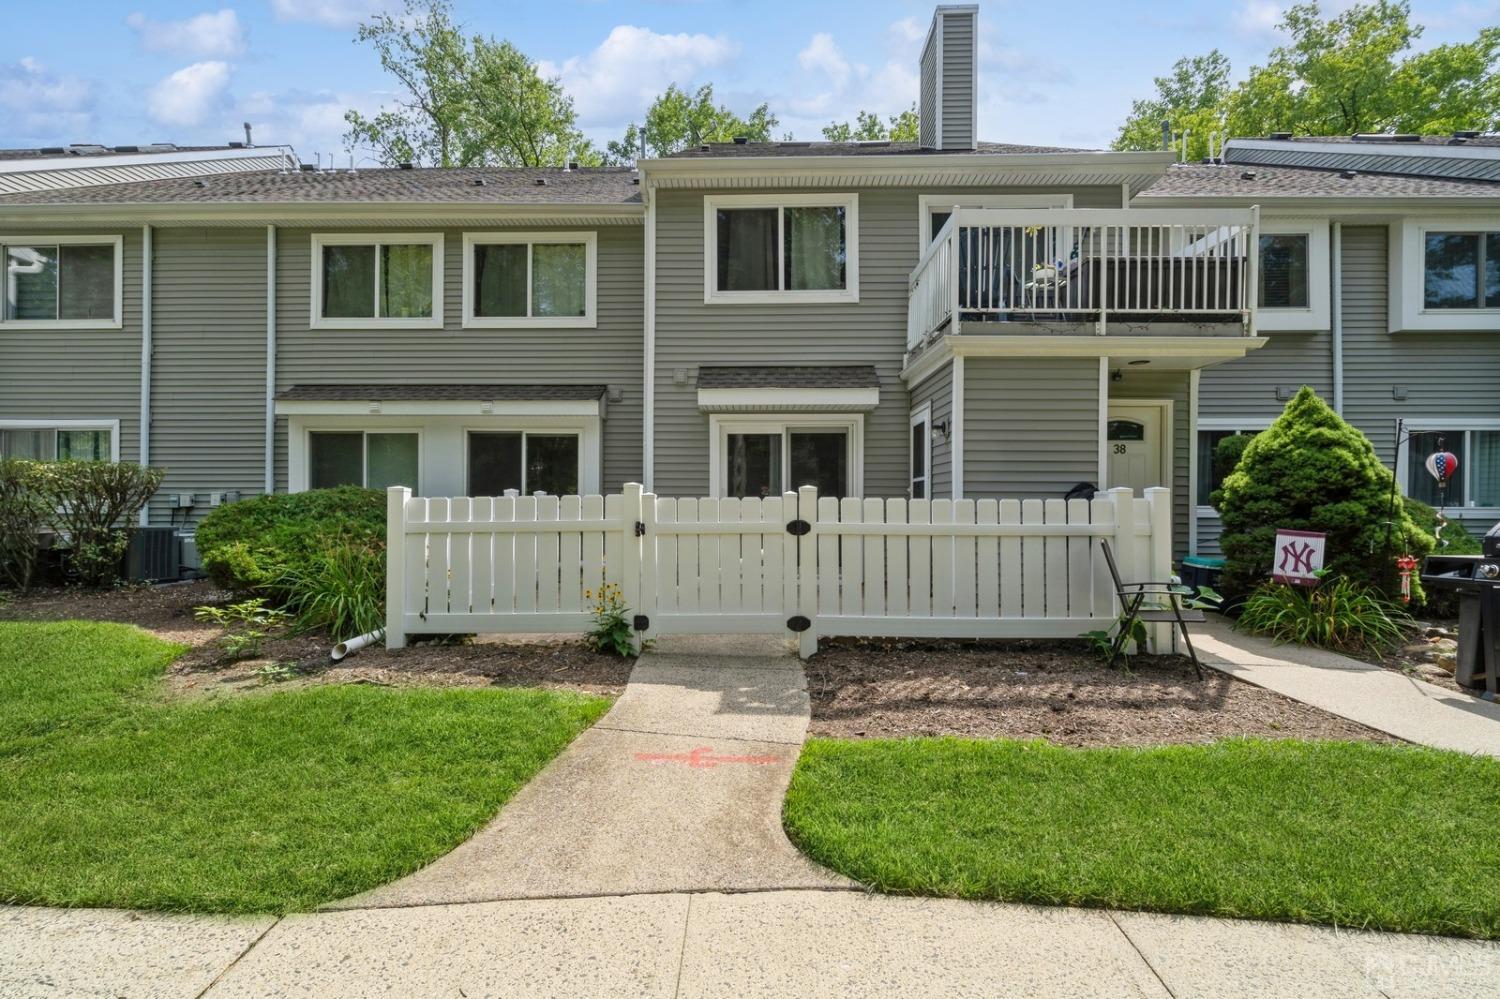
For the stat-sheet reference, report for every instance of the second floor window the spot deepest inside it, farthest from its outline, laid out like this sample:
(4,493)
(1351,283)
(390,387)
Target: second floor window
(67,282)
(1461,270)
(378,280)
(530,279)
(801,247)
(1284,270)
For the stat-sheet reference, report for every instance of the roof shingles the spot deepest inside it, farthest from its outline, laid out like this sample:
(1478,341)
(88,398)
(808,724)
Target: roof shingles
(790,376)
(444,392)
(1240,180)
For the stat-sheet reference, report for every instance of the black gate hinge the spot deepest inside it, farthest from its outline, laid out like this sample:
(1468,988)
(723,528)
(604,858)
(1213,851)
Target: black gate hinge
(640,528)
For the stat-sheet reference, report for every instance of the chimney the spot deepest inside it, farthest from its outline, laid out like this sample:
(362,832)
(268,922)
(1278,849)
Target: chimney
(949,74)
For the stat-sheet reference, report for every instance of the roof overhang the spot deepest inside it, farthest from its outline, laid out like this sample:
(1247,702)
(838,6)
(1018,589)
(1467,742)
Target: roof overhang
(1137,169)
(788,400)
(403,213)
(1170,353)
(37,164)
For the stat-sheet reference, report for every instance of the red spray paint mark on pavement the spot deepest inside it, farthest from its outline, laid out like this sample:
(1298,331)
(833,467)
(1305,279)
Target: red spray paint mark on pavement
(703,758)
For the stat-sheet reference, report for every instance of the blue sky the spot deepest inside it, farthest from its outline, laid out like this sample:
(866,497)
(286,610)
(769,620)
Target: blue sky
(191,72)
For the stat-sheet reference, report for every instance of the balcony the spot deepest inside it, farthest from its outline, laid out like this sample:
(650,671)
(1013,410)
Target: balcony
(1001,271)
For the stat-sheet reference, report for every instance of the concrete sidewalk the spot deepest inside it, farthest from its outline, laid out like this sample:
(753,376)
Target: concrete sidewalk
(1383,699)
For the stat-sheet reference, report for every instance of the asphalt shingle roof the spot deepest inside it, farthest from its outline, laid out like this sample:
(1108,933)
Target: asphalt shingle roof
(732,150)
(94,150)
(475,185)
(1385,140)
(405,392)
(1236,180)
(790,376)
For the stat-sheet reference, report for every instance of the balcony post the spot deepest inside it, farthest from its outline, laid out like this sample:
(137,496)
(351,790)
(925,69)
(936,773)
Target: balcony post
(955,278)
(1250,295)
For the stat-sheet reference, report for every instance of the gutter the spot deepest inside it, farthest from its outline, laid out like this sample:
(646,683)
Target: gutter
(144,433)
(648,383)
(263,212)
(270,481)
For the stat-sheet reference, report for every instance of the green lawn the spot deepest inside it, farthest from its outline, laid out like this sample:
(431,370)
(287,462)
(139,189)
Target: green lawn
(270,802)
(1355,834)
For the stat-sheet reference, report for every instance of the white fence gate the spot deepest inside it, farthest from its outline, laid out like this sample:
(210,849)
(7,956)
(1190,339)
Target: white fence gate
(795,564)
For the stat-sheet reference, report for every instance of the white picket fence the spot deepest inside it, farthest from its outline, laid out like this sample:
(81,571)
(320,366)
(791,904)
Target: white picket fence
(792,564)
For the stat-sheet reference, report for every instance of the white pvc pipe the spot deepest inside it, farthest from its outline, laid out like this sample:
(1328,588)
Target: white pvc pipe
(343,649)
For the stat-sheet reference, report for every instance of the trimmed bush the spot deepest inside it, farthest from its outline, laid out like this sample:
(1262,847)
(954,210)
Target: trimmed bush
(1311,471)
(1227,454)
(92,504)
(257,545)
(23,515)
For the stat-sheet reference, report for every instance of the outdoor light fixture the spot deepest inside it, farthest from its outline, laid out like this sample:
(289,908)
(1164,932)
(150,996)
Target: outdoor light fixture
(940,432)
(1139,361)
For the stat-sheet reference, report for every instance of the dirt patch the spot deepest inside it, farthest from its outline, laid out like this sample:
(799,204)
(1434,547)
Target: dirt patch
(167,612)
(1057,691)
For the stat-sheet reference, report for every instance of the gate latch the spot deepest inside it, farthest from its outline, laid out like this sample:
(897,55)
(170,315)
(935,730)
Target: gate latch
(797,528)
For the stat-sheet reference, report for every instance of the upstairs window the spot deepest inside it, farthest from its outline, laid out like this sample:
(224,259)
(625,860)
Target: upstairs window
(62,281)
(1461,270)
(795,247)
(1284,270)
(377,280)
(530,279)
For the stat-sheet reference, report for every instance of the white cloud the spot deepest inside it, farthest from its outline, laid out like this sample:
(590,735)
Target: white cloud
(822,55)
(41,107)
(1258,18)
(909,32)
(329,13)
(216,35)
(310,121)
(190,94)
(621,77)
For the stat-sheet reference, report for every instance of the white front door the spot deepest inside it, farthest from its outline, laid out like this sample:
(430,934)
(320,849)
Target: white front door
(1133,444)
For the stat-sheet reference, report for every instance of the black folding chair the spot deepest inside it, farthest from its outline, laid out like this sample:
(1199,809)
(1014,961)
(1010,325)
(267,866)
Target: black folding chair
(1132,602)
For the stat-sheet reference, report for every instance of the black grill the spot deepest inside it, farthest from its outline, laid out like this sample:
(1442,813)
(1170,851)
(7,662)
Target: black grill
(1477,580)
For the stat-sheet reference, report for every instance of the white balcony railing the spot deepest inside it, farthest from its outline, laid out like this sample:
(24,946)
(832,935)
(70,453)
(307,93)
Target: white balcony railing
(990,266)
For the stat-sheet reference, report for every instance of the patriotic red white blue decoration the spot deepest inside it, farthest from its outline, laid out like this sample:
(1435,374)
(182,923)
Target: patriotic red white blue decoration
(1441,465)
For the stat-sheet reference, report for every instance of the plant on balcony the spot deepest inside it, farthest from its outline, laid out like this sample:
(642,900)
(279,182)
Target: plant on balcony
(1311,471)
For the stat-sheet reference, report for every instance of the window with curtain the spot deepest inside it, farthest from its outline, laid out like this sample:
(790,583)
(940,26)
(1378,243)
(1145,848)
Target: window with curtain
(531,278)
(1477,483)
(524,461)
(377,281)
(1284,270)
(49,443)
(373,459)
(69,281)
(1461,270)
(754,462)
(792,248)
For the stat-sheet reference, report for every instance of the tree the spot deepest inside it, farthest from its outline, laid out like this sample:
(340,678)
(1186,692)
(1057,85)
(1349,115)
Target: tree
(1311,471)
(678,119)
(1352,72)
(462,102)
(868,127)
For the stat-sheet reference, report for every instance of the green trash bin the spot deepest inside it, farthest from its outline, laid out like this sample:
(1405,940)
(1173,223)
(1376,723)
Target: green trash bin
(1202,570)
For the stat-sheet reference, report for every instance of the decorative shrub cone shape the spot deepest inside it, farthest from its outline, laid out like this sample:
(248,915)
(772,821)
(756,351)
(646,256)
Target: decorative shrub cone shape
(1311,471)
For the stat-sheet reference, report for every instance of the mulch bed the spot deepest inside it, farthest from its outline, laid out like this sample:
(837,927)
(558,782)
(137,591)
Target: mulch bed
(167,612)
(1058,691)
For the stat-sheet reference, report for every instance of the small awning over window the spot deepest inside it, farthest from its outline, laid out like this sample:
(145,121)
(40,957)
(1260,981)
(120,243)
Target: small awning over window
(804,389)
(442,398)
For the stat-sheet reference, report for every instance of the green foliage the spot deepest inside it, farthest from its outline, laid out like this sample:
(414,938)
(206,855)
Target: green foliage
(678,119)
(340,589)
(1337,614)
(611,632)
(1350,72)
(474,102)
(1455,539)
(23,515)
(1227,454)
(1102,642)
(253,545)
(1311,471)
(91,503)
(868,127)
(247,624)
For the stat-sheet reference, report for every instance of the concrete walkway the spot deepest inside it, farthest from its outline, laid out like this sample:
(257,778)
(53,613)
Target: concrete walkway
(648,860)
(1383,699)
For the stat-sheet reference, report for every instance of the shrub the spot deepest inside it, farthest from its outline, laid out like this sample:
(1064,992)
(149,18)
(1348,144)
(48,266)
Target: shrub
(1311,471)
(257,544)
(1338,614)
(91,503)
(1455,539)
(1227,454)
(23,515)
(340,589)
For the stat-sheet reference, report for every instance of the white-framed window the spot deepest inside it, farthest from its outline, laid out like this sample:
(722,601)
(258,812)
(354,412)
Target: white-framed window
(1476,445)
(1294,292)
(367,280)
(71,282)
(60,440)
(1445,274)
(934,210)
(781,248)
(768,454)
(921,452)
(376,459)
(1210,433)
(529,461)
(531,279)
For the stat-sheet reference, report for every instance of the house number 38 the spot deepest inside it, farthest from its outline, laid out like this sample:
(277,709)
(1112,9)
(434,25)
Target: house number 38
(1119,449)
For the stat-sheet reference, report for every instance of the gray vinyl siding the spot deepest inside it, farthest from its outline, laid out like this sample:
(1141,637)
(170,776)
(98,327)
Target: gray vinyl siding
(1245,388)
(690,333)
(208,370)
(1173,387)
(959,83)
(1030,425)
(937,389)
(927,106)
(610,353)
(1209,529)
(63,374)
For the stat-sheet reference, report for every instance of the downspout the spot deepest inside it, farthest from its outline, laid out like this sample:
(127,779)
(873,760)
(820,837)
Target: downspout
(956,431)
(270,482)
(146,351)
(648,385)
(1336,317)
